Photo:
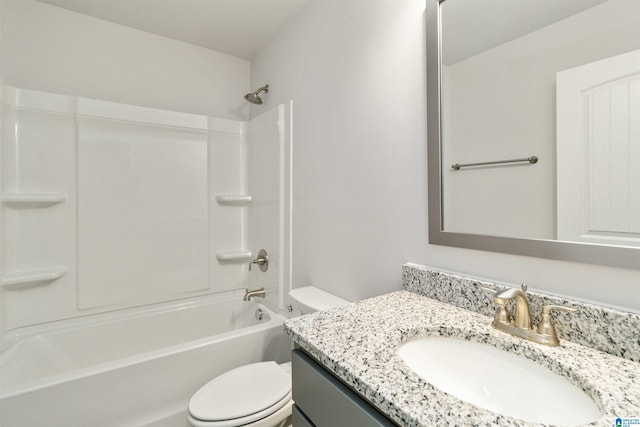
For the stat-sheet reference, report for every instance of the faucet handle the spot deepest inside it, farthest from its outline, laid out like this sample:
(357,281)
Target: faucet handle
(546,328)
(547,309)
(262,261)
(502,315)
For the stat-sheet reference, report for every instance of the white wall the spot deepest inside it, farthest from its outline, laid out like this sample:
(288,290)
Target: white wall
(2,113)
(356,73)
(501,104)
(2,221)
(55,50)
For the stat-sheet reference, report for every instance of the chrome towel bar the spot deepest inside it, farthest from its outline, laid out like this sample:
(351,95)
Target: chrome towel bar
(530,159)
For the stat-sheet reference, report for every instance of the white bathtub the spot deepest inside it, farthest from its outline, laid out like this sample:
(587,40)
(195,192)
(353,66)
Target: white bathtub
(133,369)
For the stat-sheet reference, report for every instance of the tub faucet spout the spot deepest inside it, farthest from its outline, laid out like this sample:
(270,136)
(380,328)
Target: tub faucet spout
(254,293)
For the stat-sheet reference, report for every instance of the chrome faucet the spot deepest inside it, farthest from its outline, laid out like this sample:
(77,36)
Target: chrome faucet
(254,293)
(520,325)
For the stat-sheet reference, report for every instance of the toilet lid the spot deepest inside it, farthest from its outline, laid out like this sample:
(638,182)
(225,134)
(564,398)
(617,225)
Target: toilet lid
(241,392)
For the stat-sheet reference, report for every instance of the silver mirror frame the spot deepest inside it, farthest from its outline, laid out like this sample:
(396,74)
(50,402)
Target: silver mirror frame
(622,257)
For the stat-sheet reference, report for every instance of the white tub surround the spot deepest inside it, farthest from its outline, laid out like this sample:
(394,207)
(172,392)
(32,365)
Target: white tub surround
(137,367)
(358,343)
(109,206)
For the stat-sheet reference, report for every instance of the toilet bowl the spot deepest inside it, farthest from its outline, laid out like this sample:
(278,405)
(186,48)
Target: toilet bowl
(257,394)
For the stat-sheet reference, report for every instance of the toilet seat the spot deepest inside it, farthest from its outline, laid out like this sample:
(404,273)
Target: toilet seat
(241,396)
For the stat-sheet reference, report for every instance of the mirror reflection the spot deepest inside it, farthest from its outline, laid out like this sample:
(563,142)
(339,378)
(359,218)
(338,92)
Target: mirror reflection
(555,79)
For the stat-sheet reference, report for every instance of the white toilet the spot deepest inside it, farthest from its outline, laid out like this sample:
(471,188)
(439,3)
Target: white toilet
(258,394)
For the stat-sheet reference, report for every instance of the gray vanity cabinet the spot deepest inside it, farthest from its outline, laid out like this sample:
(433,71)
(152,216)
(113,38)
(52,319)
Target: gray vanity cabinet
(321,400)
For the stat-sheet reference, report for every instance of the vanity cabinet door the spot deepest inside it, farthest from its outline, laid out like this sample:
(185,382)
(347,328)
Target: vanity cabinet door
(325,401)
(299,419)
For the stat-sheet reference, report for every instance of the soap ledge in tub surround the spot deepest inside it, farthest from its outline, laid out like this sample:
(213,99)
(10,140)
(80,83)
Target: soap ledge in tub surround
(601,328)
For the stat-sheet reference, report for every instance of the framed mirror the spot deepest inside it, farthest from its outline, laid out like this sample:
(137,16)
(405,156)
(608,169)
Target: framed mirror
(558,81)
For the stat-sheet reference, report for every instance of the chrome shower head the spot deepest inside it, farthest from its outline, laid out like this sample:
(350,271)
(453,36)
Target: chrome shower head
(254,97)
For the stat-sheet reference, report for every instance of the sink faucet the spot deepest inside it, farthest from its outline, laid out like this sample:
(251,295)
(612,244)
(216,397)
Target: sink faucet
(254,293)
(522,318)
(520,326)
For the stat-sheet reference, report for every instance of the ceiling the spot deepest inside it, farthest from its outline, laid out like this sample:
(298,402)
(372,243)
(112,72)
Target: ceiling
(472,26)
(236,27)
(243,27)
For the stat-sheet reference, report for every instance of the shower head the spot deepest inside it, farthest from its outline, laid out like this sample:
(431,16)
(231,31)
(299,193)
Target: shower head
(254,97)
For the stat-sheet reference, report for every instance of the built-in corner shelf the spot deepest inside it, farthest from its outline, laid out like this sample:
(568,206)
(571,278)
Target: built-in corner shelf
(32,200)
(233,199)
(27,278)
(234,256)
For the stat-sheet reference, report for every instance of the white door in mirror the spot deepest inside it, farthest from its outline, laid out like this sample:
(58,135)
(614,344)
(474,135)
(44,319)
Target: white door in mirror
(598,149)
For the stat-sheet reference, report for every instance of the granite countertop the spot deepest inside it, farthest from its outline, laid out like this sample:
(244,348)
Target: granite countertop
(359,343)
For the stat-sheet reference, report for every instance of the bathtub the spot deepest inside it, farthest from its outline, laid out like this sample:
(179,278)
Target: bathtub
(136,368)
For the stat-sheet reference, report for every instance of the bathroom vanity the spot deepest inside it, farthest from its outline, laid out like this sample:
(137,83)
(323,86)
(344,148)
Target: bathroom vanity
(322,399)
(351,353)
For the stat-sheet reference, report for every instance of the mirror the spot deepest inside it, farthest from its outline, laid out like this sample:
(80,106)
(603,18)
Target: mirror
(514,79)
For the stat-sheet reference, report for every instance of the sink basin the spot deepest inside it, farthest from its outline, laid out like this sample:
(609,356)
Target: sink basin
(499,381)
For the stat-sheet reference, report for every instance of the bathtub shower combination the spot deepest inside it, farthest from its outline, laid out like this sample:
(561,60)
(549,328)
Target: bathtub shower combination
(126,237)
(138,368)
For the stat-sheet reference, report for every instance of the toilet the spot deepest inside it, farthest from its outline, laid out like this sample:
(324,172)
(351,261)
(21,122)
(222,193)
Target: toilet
(257,394)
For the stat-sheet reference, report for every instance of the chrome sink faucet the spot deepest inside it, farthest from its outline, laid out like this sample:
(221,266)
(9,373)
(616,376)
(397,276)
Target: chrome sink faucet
(520,325)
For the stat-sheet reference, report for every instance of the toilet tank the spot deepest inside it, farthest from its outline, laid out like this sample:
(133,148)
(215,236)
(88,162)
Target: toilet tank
(309,299)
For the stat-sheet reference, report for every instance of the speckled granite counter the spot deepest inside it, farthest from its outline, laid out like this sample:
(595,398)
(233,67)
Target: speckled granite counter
(359,343)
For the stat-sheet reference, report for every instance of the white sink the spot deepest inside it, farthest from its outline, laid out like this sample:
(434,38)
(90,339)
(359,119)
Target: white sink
(498,381)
